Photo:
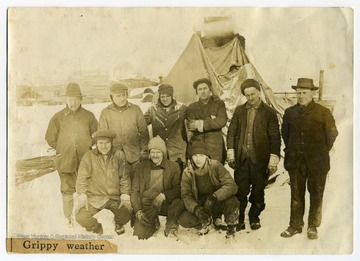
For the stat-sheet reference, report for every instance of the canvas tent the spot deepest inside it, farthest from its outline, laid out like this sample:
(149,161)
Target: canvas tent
(223,60)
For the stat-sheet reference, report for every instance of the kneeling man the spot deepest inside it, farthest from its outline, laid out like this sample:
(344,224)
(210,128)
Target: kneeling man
(103,182)
(208,191)
(156,191)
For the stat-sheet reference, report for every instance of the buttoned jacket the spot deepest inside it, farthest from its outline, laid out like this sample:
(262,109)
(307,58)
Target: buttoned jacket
(69,133)
(266,133)
(130,127)
(170,126)
(309,133)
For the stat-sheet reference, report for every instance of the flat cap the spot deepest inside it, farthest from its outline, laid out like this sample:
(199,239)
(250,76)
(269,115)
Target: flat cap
(118,87)
(104,134)
(249,83)
(203,80)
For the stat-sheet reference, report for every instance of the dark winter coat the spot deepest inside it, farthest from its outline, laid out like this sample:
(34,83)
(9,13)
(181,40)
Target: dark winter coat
(214,116)
(308,133)
(219,176)
(266,133)
(130,127)
(170,126)
(69,133)
(141,182)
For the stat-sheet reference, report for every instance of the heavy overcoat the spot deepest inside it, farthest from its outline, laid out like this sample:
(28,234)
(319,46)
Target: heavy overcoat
(170,126)
(130,127)
(69,133)
(214,116)
(141,182)
(309,133)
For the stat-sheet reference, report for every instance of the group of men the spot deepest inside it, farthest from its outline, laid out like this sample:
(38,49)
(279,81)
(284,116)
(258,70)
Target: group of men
(180,173)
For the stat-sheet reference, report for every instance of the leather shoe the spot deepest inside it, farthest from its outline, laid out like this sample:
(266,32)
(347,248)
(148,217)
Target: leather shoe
(290,231)
(312,233)
(240,226)
(255,225)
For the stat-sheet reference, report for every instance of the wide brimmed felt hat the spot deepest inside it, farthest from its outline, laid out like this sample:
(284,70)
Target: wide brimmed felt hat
(118,87)
(203,80)
(305,83)
(159,144)
(199,147)
(166,89)
(249,83)
(104,134)
(73,90)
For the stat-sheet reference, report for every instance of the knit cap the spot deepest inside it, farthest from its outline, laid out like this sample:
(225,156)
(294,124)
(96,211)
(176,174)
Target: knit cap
(199,147)
(159,144)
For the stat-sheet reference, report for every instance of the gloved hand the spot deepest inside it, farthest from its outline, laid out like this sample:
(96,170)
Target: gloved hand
(144,155)
(125,202)
(273,162)
(271,170)
(209,203)
(141,216)
(158,201)
(82,201)
(231,158)
(194,125)
(203,216)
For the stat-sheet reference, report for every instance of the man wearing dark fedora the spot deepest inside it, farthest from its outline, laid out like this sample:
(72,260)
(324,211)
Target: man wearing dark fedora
(69,133)
(253,142)
(127,121)
(309,132)
(205,120)
(167,118)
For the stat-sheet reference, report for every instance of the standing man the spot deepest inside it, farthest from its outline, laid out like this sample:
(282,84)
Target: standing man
(167,117)
(69,133)
(206,118)
(253,142)
(208,190)
(103,183)
(128,122)
(309,133)
(156,191)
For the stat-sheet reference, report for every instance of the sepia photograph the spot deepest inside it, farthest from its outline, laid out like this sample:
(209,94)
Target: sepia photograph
(180,130)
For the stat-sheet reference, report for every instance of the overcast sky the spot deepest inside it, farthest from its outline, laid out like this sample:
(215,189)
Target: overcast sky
(283,44)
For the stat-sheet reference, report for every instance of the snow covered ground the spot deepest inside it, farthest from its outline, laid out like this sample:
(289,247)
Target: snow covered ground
(35,208)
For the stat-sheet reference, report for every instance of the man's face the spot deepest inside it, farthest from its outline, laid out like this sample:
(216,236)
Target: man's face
(304,95)
(156,156)
(104,146)
(120,98)
(73,102)
(252,95)
(199,160)
(165,99)
(203,91)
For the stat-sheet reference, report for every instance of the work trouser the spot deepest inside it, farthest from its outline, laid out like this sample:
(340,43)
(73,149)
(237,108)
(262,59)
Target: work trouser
(67,188)
(251,178)
(172,211)
(228,207)
(85,217)
(315,182)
